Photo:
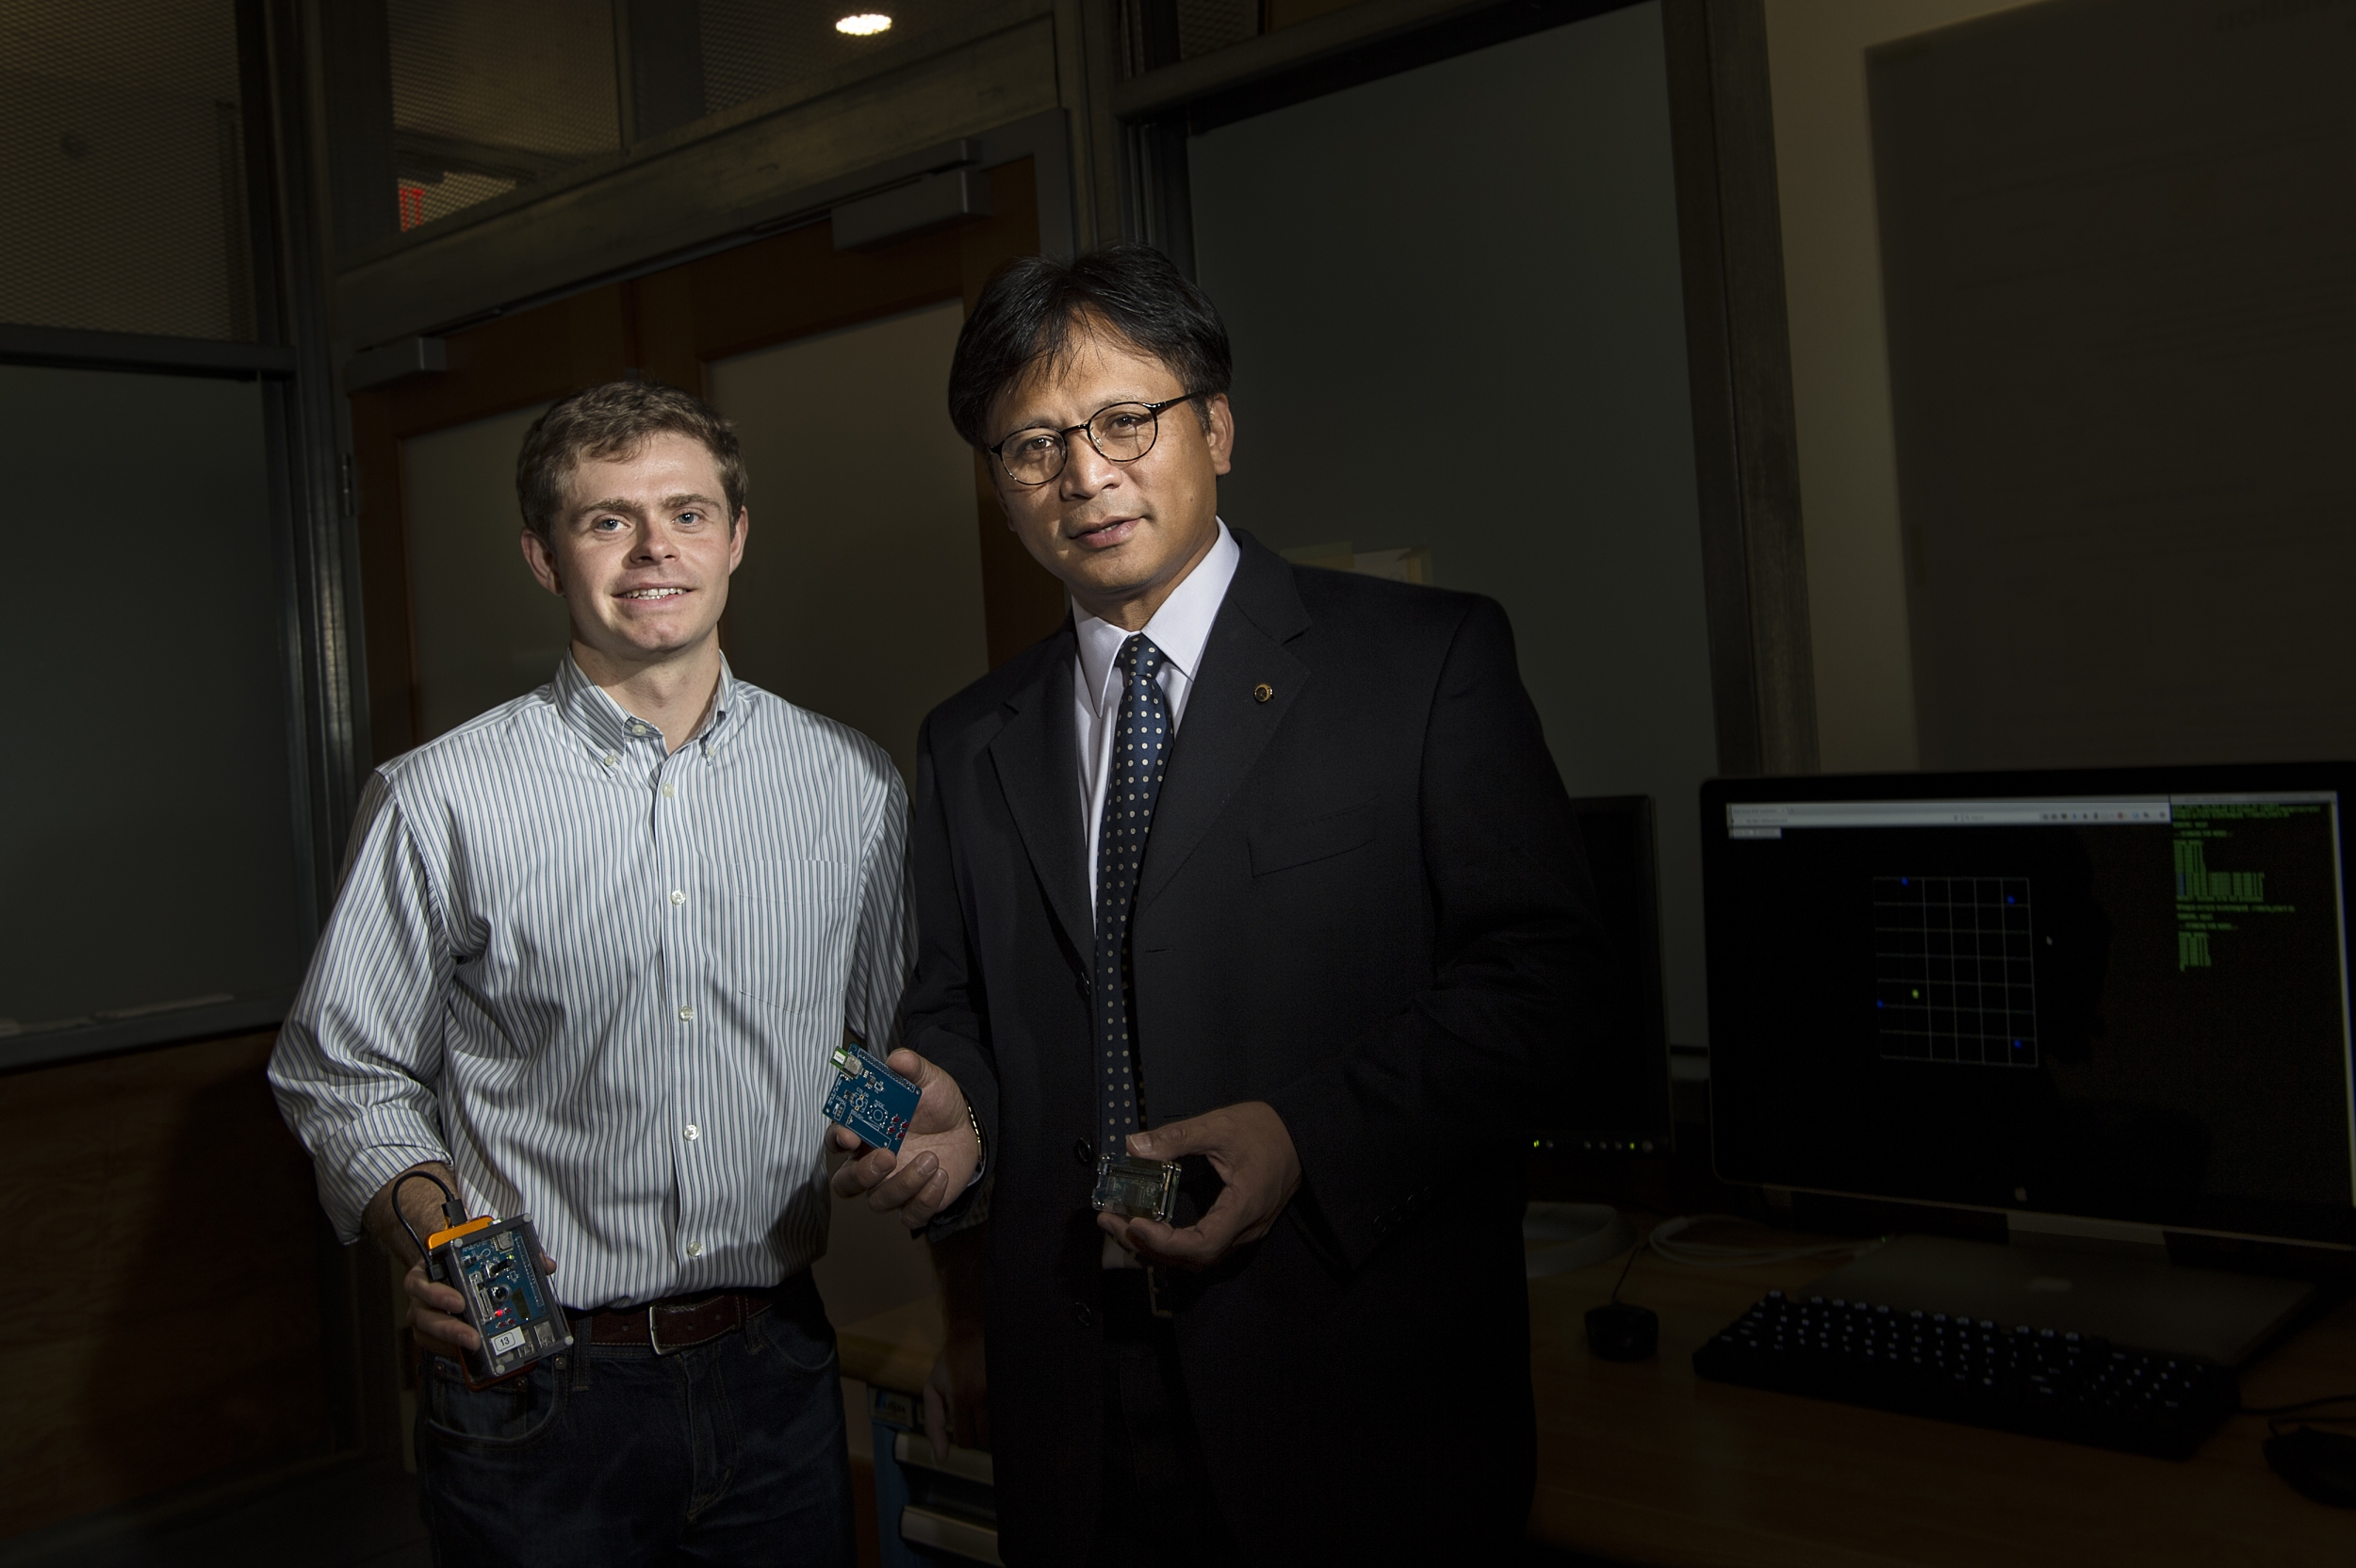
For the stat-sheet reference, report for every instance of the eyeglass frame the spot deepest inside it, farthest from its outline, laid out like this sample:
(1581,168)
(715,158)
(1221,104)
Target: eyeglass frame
(1088,426)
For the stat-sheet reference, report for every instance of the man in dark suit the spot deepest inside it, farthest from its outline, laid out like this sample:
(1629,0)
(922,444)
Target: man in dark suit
(1274,862)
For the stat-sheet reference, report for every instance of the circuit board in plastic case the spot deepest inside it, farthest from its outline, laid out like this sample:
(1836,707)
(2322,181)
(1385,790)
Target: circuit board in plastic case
(870,1099)
(1142,1188)
(495,1263)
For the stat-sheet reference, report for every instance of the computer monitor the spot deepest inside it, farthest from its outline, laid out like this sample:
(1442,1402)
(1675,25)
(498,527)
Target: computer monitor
(2120,995)
(1619,1094)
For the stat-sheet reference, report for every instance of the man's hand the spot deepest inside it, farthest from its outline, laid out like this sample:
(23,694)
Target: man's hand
(1254,1154)
(937,1159)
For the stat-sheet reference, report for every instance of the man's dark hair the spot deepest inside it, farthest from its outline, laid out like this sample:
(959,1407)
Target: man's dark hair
(614,422)
(1029,309)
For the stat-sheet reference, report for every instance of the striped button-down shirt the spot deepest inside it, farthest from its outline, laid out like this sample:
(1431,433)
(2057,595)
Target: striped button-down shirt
(605,983)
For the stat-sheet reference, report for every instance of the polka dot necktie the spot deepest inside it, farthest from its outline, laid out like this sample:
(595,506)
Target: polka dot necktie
(1141,741)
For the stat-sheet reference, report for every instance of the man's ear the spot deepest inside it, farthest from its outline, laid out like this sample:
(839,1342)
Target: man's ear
(736,537)
(1219,432)
(542,561)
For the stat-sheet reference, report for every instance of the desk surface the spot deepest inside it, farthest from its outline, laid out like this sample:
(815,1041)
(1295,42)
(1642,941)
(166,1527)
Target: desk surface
(1649,1465)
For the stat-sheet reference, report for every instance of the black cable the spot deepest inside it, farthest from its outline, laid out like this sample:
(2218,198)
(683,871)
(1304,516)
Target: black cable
(453,1210)
(1624,1268)
(2302,1404)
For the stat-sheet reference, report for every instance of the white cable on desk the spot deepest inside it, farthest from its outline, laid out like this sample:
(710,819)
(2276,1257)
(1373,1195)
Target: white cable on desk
(1714,1254)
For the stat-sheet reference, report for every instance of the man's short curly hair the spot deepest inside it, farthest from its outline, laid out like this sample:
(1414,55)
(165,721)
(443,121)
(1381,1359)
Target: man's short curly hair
(614,422)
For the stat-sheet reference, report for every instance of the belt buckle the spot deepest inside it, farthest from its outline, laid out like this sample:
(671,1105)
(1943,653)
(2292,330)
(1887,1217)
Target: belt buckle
(654,1338)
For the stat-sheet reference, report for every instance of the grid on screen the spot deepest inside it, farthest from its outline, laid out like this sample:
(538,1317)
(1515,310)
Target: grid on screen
(1955,969)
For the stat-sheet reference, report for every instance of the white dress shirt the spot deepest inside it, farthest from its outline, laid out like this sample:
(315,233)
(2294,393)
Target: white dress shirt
(604,981)
(1179,628)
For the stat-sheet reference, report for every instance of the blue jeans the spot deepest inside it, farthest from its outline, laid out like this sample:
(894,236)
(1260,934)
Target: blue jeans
(730,1452)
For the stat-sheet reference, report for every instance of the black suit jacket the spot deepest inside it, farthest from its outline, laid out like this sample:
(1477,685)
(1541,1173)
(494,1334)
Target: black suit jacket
(1364,902)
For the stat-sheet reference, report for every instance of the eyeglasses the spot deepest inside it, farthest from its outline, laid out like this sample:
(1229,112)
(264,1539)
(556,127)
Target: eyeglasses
(1120,433)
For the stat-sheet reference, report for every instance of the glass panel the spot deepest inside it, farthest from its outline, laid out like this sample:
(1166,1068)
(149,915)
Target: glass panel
(486,98)
(482,627)
(149,851)
(120,168)
(890,511)
(1511,218)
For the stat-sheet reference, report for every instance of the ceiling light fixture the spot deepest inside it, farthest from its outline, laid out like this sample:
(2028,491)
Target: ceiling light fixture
(865,25)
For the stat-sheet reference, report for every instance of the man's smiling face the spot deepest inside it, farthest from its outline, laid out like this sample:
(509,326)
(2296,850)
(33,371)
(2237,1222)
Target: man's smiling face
(1119,535)
(641,553)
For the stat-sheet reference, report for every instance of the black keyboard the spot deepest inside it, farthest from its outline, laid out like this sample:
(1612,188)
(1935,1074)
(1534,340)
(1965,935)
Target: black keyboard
(2075,1387)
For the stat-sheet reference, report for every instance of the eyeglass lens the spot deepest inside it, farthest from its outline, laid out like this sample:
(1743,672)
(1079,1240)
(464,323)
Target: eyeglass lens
(1124,433)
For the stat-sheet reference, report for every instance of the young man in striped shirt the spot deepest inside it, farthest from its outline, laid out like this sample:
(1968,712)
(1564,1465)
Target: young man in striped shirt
(593,952)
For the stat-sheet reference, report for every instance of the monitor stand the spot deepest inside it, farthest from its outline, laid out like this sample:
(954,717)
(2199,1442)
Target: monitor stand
(2076,1276)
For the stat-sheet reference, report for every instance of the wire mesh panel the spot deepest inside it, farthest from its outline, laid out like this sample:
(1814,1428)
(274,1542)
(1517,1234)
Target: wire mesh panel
(121,167)
(1156,33)
(489,97)
(1208,24)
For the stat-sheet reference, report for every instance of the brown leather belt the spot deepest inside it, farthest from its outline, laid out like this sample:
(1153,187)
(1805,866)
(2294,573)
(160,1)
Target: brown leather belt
(678,1322)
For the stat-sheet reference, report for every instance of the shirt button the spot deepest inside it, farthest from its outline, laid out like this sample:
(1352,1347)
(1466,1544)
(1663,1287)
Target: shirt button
(677,897)
(687,1015)
(1081,1314)
(608,759)
(1082,1153)
(668,792)
(638,730)
(692,1132)
(695,1248)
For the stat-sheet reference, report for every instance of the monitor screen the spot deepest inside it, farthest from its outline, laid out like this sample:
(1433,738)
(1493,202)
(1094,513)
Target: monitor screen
(2119,994)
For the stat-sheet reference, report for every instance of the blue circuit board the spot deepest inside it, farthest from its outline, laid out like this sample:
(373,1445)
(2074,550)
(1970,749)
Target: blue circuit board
(870,1099)
(496,1269)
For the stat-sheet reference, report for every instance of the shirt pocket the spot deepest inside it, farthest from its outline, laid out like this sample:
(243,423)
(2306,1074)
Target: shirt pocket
(1280,848)
(787,938)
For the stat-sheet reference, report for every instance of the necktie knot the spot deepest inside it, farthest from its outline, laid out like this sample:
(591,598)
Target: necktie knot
(1139,656)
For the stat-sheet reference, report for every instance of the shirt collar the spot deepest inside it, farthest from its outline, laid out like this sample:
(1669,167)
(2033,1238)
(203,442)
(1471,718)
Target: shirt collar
(1179,627)
(611,728)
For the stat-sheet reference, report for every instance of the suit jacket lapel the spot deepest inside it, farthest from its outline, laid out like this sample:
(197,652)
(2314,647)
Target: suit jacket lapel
(1037,759)
(1226,725)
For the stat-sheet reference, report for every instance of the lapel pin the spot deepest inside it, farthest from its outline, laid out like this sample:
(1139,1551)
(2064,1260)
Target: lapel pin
(1263,691)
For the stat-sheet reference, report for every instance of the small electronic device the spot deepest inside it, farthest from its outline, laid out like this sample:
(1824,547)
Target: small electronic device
(1622,1331)
(1142,1189)
(870,1099)
(495,1266)
(2320,1465)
